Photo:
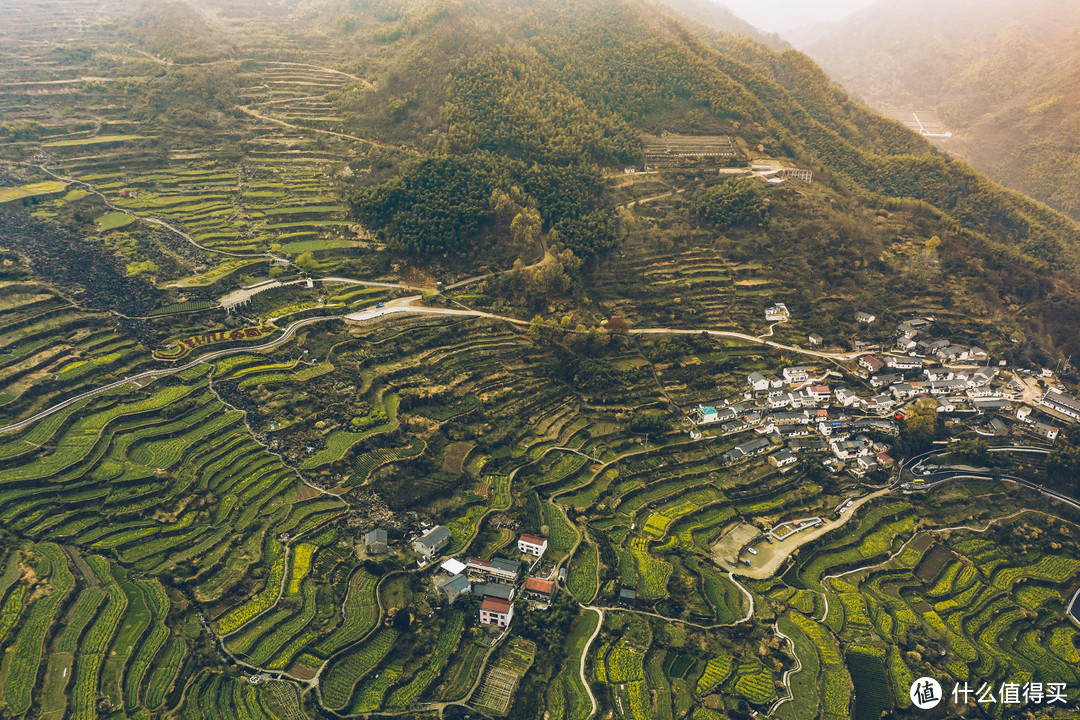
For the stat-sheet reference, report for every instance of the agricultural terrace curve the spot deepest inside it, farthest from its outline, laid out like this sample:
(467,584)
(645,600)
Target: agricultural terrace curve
(405,305)
(246,109)
(152,220)
(714,626)
(1069,610)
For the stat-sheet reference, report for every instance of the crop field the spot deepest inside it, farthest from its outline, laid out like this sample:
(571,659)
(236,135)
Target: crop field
(168,539)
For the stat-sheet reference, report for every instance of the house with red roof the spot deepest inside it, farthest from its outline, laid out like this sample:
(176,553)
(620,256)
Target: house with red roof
(494,611)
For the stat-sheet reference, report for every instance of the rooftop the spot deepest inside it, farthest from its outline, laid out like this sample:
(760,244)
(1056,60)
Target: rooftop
(435,535)
(495,605)
(494,590)
(541,586)
(457,584)
(453,566)
(497,564)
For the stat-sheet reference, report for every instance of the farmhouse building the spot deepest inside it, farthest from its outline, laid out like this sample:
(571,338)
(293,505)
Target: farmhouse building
(537,589)
(871,363)
(494,570)
(454,587)
(494,590)
(496,612)
(746,450)
(532,545)
(783,458)
(1042,429)
(806,176)
(904,363)
(375,542)
(777,313)
(707,414)
(794,375)
(1059,402)
(758,382)
(432,542)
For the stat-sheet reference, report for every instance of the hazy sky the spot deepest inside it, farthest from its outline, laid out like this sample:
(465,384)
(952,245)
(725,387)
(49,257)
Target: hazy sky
(781,15)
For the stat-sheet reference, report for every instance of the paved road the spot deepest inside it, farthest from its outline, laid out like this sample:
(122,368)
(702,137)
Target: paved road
(1071,610)
(939,478)
(585,654)
(408,305)
(788,673)
(781,551)
(405,305)
(946,474)
(752,339)
(243,294)
(290,331)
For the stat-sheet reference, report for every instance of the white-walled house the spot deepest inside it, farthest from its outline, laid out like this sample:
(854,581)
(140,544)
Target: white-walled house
(532,545)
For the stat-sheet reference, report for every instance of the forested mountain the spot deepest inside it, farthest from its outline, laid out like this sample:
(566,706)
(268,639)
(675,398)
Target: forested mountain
(1002,74)
(534,100)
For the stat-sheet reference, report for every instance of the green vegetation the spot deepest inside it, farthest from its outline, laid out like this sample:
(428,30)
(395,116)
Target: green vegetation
(48,187)
(166,539)
(731,203)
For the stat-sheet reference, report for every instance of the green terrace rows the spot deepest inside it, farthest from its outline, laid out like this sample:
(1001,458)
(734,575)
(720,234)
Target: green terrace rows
(213,695)
(50,350)
(295,94)
(90,630)
(169,481)
(979,609)
(274,195)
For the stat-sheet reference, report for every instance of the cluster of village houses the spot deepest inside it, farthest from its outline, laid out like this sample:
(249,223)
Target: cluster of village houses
(795,412)
(495,582)
(791,413)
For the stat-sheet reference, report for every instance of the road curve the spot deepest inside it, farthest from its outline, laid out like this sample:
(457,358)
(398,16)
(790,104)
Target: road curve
(788,673)
(792,544)
(399,306)
(585,654)
(749,338)
(749,598)
(1071,610)
(290,331)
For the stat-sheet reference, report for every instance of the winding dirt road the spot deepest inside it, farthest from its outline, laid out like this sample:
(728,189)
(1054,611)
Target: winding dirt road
(405,305)
(787,673)
(585,654)
(147,219)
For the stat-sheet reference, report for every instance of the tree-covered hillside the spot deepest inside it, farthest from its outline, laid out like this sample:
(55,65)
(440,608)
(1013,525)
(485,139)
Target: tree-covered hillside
(567,87)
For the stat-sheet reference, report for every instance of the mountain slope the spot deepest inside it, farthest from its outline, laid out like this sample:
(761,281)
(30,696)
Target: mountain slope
(175,30)
(1001,74)
(562,85)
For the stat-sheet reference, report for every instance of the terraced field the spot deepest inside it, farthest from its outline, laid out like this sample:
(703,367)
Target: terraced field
(191,546)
